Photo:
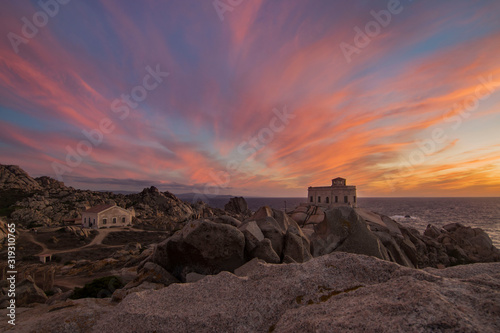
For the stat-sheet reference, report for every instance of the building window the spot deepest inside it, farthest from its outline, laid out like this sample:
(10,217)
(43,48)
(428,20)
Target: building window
(84,220)
(104,221)
(336,199)
(345,199)
(123,220)
(354,199)
(114,219)
(327,200)
(319,199)
(312,199)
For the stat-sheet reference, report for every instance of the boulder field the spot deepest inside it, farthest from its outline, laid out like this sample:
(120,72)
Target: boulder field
(334,292)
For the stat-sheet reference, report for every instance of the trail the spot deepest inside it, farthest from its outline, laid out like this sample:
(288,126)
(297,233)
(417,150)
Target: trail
(98,239)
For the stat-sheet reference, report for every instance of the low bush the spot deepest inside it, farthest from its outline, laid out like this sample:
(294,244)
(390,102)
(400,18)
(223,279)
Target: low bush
(98,288)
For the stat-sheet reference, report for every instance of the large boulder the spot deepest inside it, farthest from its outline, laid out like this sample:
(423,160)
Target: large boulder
(253,235)
(344,230)
(203,247)
(464,244)
(238,206)
(27,292)
(264,251)
(283,232)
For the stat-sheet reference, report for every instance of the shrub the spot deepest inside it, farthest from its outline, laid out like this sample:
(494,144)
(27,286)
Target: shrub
(98,288)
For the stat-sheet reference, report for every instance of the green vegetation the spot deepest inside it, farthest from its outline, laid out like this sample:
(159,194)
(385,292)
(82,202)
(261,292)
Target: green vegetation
(99,288)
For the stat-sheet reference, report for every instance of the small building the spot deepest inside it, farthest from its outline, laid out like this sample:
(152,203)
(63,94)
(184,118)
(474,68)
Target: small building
(105,216)
(338,194)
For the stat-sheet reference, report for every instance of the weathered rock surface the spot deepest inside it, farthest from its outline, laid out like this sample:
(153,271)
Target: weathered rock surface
(203,247)
(464,244)
(360,231)
(339,292)
(27,293)
(238,206)
(344,230)
(13,177)
(284,234)
(264,251)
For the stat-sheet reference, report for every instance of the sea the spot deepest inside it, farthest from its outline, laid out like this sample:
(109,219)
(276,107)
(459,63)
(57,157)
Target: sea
(481,213)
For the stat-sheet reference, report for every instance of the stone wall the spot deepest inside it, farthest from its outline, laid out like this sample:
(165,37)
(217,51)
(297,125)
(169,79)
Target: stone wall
(331,192)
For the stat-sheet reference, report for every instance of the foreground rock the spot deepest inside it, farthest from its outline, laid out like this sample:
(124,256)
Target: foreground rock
(336,292)
(202,247)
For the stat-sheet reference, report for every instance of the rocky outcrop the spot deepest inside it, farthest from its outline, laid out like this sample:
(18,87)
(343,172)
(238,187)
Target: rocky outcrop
(13,177)
(27,292)
(344,230)
(356,230)
(340,291)
(284,234)
(151,203)
(464,244)
(203,247)
(238,206)
(46,201)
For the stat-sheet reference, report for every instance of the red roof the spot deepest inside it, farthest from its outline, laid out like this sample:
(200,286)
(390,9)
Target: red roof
(98,208)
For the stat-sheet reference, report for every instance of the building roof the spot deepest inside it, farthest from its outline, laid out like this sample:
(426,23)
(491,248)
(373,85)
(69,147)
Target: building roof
(98,208)
(338,178)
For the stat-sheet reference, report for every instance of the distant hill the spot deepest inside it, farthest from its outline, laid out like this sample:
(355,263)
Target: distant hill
(46,201)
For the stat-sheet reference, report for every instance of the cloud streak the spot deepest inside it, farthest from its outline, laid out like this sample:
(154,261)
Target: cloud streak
(353,120)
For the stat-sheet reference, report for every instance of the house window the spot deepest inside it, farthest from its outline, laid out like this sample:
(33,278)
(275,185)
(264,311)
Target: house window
(312,199)
(327,200)
(354,199)
(104,221)
(114,219)
(84,220)
(345,199)
(336,199)
(319,199)
(123,220)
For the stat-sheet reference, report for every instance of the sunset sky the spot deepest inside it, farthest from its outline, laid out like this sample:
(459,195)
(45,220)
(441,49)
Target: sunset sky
(254,98)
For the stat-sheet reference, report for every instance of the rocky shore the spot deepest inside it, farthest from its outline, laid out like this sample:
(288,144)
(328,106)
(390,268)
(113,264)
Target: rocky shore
(195,268)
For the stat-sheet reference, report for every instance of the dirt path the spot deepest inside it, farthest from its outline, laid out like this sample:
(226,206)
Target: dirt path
(98,239)
(32,239)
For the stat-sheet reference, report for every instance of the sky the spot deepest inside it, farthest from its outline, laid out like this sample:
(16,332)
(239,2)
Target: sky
(254,97)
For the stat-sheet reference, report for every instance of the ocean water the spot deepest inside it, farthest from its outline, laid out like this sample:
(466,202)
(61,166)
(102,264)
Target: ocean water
(483,213)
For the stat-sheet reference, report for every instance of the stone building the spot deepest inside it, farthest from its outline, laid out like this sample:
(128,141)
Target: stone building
(336,195)
(105,216)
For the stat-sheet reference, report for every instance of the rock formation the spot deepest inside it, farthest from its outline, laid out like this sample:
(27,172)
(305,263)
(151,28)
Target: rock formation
(340,291)
(238,206)
(13,177)
(46,201)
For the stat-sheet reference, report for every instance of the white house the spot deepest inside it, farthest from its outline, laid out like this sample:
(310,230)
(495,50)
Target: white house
(105,216)
(336,195)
